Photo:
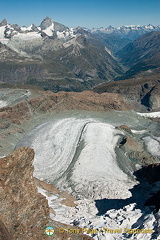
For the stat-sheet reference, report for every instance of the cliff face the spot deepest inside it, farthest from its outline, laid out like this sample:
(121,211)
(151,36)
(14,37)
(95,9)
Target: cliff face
(24,211)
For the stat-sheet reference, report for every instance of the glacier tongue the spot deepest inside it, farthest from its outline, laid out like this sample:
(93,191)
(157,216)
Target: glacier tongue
(96,173)
(55,145)
(78,155)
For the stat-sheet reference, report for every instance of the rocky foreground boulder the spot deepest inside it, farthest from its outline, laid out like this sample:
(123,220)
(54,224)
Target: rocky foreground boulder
(25,212)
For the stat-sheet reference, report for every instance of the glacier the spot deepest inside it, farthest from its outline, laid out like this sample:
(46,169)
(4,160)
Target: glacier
(81,155)
(78,155)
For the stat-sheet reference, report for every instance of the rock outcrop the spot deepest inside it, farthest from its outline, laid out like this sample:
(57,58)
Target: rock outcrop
(4,234)
(25,212)
(49,102)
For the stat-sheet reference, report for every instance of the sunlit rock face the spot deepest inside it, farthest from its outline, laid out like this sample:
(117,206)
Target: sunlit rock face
(24,211)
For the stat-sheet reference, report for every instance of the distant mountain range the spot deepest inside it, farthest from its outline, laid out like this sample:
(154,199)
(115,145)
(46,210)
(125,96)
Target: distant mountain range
(60,58)
(131,31)
(54,56)
(117,38)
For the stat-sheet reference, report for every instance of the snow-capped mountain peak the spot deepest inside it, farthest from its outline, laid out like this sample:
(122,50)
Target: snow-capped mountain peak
(129,31)
(46,23)
(127,27)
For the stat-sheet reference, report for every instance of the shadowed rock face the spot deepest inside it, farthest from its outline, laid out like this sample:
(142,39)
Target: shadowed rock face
(151,173)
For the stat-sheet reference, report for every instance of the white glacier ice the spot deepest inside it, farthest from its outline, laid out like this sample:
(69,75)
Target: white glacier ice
(96,171)
(3,103)
(153,145)
(79,156)
(150,115)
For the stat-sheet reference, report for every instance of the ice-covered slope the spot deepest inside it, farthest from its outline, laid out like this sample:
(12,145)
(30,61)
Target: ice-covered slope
(96,172)
(79,155)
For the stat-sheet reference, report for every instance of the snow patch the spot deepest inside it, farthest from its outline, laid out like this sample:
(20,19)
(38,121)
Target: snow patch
(27,28)
(150,115)
(153,145)
(108,50)
(49,30)
(3,103)
(2,29)
(138,132)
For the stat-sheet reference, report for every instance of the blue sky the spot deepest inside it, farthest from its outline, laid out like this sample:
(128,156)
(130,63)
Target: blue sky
(84,13)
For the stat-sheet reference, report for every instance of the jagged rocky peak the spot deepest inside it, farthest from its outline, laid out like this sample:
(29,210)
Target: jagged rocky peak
(34,27)
(3,23)
(79,30)
(60,27)
(16,27)
(47,22)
